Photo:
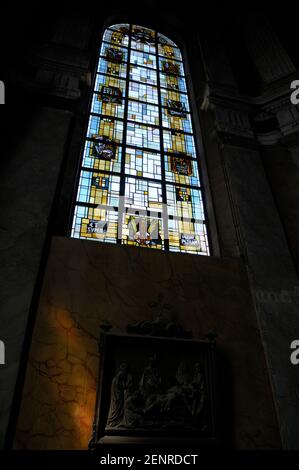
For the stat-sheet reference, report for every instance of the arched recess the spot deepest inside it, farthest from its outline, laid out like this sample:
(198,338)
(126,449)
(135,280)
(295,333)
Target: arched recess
(139,181)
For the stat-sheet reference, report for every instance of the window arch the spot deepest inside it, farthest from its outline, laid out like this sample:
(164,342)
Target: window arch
(139,182)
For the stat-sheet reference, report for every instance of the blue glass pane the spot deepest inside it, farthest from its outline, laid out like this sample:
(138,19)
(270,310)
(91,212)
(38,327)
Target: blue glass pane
(144,59)
(143,75)
(142,163)
(143,136)
(173,118)
(141,92)
(177,142)
(143,113)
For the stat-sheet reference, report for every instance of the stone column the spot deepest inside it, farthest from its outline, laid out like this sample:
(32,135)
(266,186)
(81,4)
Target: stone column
(27,193)
(264,246)
(33,168)
(267,52)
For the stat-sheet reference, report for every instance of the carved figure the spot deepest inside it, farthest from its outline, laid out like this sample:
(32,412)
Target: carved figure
(118,386)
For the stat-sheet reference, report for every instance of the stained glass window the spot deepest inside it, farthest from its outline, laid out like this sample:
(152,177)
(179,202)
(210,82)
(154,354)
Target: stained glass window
(140,177)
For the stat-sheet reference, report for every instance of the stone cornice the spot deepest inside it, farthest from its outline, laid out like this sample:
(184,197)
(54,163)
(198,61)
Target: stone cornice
(265,119)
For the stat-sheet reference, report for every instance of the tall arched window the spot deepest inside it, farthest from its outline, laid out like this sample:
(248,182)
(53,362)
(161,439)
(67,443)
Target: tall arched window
(139,181)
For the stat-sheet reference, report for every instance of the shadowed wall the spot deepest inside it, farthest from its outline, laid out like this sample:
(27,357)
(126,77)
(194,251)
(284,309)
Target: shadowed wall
(88,284)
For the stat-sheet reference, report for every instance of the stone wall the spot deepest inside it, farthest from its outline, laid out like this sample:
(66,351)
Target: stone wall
(251,202)
(26,198)
(87,284)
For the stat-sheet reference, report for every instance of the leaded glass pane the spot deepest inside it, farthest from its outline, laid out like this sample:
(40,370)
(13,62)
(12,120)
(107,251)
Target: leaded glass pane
(141,92)
(143,195)
(142,163)
(187,205)
(187,236)
(143,112)
(144,59)
(177,119)
(143,136)
(113,53)
(140,230)
(101,155)
(119,37)
(142,35)
(98,188)
(95,223)
(183,171)
(178,142)
(103,127)
(173,82)
(165,40)
(143,75)
(110,68)
(170,67)
(169,51)
(109,81)
(139,183)
(173,99)
(121,27)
